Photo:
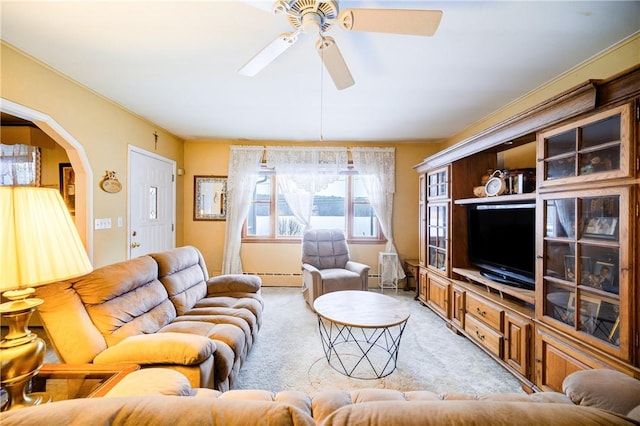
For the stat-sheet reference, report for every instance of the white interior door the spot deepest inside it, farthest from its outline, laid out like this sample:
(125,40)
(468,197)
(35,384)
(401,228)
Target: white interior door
(152,208)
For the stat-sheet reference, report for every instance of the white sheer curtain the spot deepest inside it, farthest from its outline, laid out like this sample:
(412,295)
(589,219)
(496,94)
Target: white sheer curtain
(377,170)
(244,169)
(303,171)
(19,165)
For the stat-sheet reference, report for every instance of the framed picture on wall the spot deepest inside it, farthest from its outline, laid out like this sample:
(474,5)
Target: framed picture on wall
(68,186)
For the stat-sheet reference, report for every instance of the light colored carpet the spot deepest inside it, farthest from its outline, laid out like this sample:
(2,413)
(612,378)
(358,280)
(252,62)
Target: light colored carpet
(288,354)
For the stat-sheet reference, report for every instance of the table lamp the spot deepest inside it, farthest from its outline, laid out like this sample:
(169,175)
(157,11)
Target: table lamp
(39,244)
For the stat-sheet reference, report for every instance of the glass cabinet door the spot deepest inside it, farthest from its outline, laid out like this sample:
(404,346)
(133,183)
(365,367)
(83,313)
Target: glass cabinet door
(438,184)
(584,270)
(437,236)
(422,212)
(598,145)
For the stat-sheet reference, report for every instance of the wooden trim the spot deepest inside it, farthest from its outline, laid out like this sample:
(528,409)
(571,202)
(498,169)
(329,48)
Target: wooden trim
(567,104)
(620,88)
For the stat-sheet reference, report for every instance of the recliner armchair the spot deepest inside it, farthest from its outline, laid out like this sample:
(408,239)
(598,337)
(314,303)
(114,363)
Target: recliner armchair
(326,266)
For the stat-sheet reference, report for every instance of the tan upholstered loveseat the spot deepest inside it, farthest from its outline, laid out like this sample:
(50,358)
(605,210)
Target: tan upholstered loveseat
(592,397)
(159,310)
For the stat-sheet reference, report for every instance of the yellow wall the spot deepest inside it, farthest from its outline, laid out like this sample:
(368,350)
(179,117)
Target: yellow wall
(104,129)
(207,157)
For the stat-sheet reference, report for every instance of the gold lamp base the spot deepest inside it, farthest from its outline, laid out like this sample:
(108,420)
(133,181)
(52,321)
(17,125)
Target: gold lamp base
(21,354)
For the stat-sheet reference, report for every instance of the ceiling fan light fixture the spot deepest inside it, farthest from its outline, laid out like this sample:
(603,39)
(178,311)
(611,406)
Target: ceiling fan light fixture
(311,23)
(297,10)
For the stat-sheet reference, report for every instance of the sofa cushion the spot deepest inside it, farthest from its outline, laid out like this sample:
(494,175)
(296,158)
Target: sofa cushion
(183,273)
(605,389)
(425,413)
(159,348)
(230,346)
(234,283)
(325,248)
(65,318)
(339,279)
(241,301)
(239,317)
(158,410)
(300,400)
(152,381)
(125,299)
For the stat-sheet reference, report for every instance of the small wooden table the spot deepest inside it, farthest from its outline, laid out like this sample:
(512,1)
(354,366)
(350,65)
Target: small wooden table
(71,381)
(361,332)
(412,270)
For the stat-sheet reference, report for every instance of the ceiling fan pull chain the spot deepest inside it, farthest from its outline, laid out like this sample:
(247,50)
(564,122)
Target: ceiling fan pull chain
(321,92)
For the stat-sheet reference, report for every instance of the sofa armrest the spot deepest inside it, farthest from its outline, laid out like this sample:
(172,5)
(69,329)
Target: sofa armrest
(233,283)
(359,268)
(159,348)
(605,389)
(311,269)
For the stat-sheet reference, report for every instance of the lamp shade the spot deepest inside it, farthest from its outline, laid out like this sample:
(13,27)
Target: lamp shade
(39,242)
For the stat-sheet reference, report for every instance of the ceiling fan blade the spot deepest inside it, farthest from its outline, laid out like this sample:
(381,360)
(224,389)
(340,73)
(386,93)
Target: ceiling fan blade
(334,63)
(268,54)
(395,21)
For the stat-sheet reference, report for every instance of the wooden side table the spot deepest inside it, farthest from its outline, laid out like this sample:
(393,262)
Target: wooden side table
(412,269)
(71,381)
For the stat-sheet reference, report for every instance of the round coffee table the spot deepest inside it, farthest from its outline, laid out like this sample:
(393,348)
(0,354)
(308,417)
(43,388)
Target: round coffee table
(361,331)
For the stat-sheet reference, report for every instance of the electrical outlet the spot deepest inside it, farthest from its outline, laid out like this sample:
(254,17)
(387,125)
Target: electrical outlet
(103,223)
(120,222)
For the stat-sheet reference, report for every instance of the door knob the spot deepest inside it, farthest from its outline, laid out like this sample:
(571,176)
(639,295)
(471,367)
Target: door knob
(135,245)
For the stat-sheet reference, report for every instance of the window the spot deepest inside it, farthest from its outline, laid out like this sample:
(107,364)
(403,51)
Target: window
(19,165)
(258,222)
(343,204)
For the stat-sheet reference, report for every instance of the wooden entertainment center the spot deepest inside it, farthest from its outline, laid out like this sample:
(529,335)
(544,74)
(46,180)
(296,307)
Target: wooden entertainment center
(584,147)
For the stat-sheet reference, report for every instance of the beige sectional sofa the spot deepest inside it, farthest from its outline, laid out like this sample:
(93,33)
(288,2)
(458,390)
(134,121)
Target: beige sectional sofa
(159,310)
(164,397)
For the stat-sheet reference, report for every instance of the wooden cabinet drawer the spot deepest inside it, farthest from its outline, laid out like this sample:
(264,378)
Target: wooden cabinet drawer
(489,313)
(483,334)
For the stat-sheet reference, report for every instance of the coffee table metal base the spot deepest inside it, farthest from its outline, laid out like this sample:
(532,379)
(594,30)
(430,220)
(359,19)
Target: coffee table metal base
(361,353)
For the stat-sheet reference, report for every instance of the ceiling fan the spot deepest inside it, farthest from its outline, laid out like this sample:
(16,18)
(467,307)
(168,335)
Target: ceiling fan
(317,17)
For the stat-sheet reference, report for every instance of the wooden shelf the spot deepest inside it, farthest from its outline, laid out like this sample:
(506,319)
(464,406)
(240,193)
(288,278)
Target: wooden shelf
(531,196)
(527,296)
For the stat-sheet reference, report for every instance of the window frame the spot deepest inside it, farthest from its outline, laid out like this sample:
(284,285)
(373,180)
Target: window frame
(349,218)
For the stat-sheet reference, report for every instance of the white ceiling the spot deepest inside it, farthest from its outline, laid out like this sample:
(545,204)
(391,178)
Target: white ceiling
(175,63)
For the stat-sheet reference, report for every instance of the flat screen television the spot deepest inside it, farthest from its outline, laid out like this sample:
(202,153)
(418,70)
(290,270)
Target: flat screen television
(502,242)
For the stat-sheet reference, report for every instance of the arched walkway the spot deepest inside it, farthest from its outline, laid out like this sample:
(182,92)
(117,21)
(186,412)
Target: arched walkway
(79,161)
